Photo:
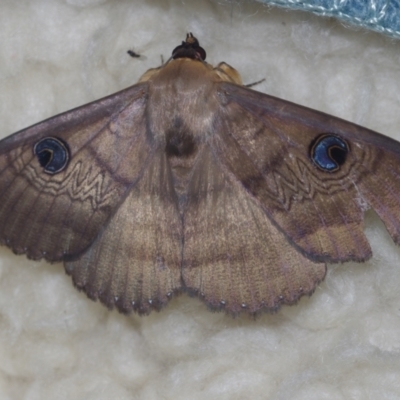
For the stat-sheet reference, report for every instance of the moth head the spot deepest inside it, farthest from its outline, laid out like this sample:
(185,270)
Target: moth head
(190,48)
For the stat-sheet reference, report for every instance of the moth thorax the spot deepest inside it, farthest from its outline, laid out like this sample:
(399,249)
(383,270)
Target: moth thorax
(179,144)
(181,150)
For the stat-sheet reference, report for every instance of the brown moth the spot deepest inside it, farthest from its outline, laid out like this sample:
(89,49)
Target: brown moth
(190,181)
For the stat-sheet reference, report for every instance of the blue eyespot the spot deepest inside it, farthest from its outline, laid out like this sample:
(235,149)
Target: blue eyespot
(52,154)
(329,152)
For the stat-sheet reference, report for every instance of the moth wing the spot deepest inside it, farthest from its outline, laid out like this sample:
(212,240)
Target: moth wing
(265,143)
(57,216)
(234,258)
(134,263)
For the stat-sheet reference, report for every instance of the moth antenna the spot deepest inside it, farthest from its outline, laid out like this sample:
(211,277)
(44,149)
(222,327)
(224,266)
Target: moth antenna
(249,85)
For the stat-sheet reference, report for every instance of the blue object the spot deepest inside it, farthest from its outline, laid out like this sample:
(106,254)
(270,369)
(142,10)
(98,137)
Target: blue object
(378,15)
(52,154)
(329,152)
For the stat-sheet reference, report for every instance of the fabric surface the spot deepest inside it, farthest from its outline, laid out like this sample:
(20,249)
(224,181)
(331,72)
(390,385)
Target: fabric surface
(341,343)
(378,15)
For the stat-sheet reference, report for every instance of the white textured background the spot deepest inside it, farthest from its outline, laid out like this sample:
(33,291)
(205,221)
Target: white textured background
(342,343)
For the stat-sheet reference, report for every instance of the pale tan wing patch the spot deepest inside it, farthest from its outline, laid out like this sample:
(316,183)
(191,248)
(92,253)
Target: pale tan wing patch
(234,258)
(135,262)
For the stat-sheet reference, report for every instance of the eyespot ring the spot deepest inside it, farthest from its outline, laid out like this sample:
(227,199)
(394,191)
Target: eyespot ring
(329,152)
(52,153)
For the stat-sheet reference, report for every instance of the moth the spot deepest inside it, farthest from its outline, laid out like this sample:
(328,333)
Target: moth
(189,181)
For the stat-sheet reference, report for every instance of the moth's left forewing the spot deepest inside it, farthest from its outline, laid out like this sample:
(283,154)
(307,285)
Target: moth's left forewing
(267,144)
(92,187)
(56,211)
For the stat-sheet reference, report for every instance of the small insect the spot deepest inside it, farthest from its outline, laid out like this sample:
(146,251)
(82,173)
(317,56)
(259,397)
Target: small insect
(191,182)
(133,54)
